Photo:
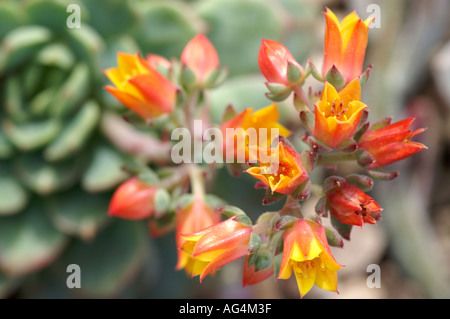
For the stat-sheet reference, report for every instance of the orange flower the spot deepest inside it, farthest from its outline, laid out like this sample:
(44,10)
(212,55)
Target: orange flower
(280,168)
(200,56)
(140,87)
(190,219)
(352,206)
(345,44)
(274,59)
(337,115)
(307,253)
(390,143)
(248,129)
(215,246)
(133,200)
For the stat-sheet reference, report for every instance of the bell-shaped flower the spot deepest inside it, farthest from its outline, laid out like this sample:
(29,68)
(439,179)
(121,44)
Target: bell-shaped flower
(140,87)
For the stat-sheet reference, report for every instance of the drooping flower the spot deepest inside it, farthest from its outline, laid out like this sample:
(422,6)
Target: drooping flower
(274,60)
(195,217)
(280,168)
(307,253)
(352,206)
(140,87)
(217,245)
(133,199)
(249,129)
(201,57)
(345,44)
(337,115)
(390,143)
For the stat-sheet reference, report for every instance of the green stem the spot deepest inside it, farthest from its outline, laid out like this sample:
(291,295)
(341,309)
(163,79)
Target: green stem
(291,206)
(197,181)
(336,157)
(179,176)
(300,100)
(189,107)
(317,190)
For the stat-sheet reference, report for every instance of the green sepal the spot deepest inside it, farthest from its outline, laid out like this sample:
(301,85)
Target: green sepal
(254,243)
(321,207)
(363,182)
(335,78)
(333,238)
(343,229)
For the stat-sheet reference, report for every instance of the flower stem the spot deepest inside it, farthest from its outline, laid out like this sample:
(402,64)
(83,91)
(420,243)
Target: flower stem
(189,107)
(291,206)
(197,181)
(336,157)
(317,190)
(301,103)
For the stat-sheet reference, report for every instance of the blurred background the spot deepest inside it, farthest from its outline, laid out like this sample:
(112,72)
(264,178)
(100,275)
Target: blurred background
(59,162)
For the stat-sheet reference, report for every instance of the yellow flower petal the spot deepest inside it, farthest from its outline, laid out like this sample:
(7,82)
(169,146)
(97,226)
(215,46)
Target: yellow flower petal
(314,251)
(350,18)
(325,278)
(305,276)
(209,256)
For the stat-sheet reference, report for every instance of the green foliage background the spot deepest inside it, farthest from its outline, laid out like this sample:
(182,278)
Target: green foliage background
(58,168)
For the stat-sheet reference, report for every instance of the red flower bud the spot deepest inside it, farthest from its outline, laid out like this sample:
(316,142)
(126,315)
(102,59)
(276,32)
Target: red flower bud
(200,56)
(133,200)
(274,60)
(352,206)
(390,143)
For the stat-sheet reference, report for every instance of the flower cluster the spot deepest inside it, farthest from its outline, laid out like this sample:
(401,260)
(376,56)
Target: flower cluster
(335,129)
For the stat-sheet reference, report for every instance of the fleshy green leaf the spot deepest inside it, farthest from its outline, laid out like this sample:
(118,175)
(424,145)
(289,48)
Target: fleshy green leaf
(112,261)
(20,44)
(28,242)
(240,24)
(32,135)
(73,91)
(165,27)
(13,196)
(105,170)
(75,133)
(78,213)
(44,178)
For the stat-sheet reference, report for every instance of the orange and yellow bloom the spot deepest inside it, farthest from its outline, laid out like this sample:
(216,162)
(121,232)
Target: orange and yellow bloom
(249,129)
(190,219)
(200,56)
(337,114)
(352,206)
(140,87)
(215,246)
(280,168)
(345,44)
(390,143)
(306,252)
(133,200)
